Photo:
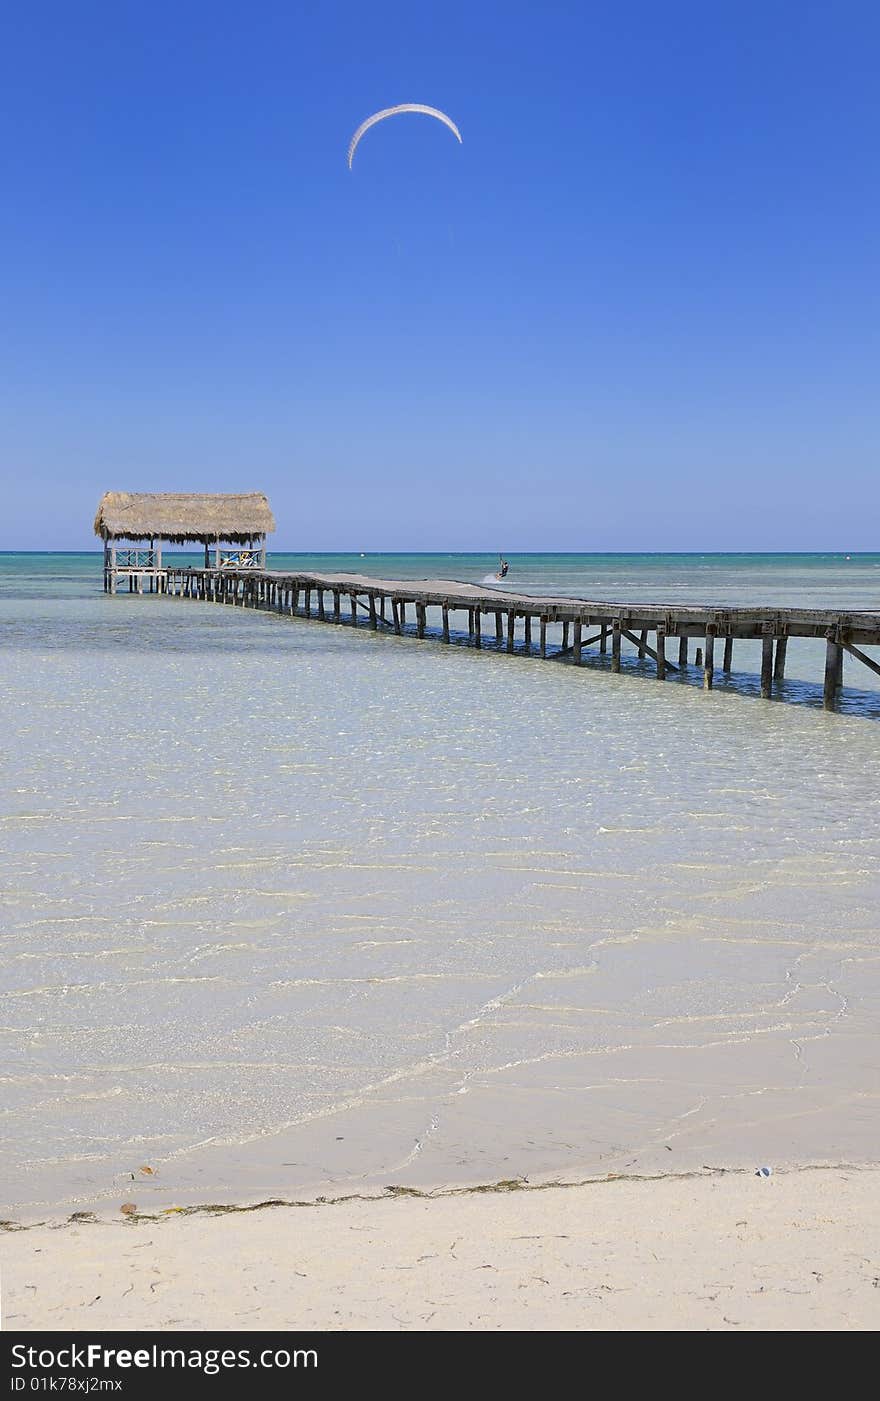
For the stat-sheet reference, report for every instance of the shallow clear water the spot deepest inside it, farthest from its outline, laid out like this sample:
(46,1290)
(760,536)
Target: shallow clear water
(285,905)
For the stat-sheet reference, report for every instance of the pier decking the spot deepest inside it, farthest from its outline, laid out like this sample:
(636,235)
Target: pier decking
(554,628)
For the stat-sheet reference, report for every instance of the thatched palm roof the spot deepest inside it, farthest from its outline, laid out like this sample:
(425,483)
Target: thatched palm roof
(183,516)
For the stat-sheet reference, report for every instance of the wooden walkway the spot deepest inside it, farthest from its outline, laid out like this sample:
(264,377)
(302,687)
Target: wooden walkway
(555,628)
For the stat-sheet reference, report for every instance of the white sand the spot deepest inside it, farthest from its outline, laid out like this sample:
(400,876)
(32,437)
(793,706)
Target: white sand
(799,1250)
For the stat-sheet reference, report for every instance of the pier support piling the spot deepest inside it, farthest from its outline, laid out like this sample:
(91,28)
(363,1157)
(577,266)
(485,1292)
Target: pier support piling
(709,666)
(833,669)
(661,654)
(767,665)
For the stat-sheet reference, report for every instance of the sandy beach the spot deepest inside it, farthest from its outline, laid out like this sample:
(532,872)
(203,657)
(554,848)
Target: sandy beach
(717,1251)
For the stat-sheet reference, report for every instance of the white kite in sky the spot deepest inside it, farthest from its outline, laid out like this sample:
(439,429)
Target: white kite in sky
(392,112)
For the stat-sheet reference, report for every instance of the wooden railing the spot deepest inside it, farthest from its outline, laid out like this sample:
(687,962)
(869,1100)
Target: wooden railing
(138,559)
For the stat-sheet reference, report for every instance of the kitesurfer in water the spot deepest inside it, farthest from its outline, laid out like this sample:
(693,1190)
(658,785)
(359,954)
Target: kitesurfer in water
(503,567)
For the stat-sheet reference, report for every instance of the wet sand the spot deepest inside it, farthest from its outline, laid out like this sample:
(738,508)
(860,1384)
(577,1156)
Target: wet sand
(713,1252)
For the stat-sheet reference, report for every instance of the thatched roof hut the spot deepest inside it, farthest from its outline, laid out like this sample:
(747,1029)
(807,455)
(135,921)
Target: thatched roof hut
(181,517)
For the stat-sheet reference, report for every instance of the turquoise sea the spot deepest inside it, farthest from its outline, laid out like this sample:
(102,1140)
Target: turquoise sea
(807,580)
(289,908)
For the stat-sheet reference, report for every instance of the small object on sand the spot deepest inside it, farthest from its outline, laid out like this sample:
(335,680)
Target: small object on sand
(148,1171)
(128,1209)
(764,1172)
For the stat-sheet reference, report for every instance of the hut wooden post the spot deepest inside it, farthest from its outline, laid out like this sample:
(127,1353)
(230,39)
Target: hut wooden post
(445,615)
(321,604)
(779,664)
(308,601)
(470,614)
(337,605)
(661,654)
(833,668)
(395,615)
(527,627)
(543,635)
(643,638)
(420,619)
(577,642)
(401,609)
(767,663)
(511,629)
(499,627)
(683,650)
(371,603)
(615,645)
(565,637)
(352,597)
(478,629)
(727,661)
(603,639)
(709,666)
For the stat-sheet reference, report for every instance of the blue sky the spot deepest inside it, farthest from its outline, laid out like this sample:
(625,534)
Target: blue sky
(637,309)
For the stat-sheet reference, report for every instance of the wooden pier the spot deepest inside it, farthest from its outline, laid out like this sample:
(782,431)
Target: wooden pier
(558,629)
